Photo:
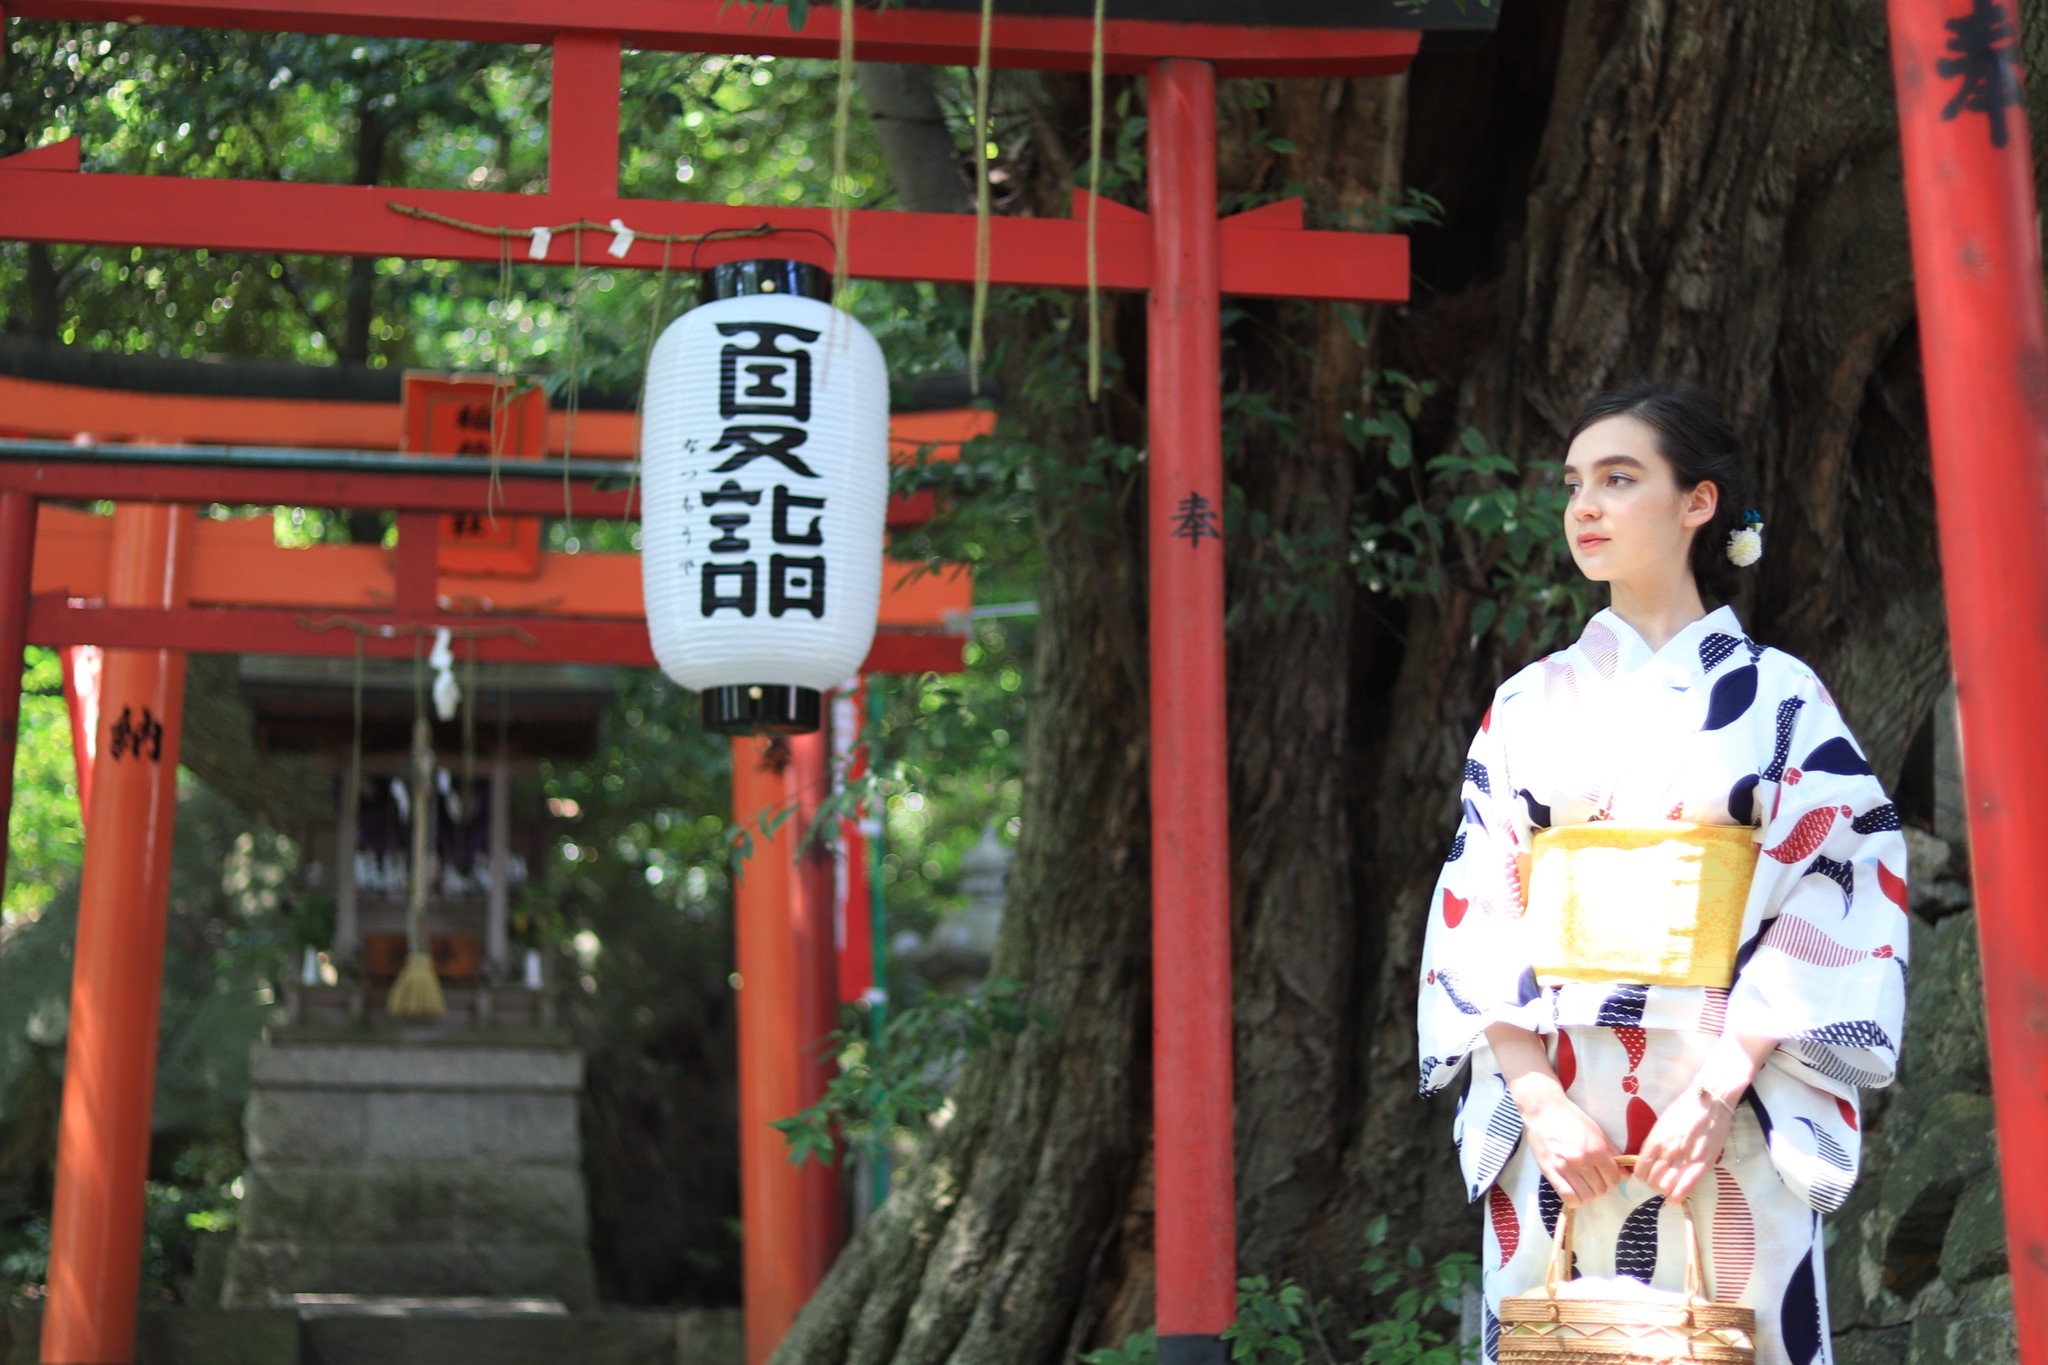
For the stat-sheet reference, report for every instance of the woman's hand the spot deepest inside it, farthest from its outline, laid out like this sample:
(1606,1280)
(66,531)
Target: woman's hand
(1684,1144)
(1690,1135)
(1571,1150)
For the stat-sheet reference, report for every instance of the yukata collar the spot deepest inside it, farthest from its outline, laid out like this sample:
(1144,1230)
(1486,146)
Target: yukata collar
(1609,635)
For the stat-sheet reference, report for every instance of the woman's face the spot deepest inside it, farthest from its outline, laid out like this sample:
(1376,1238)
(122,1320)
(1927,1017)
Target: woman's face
(1626,519)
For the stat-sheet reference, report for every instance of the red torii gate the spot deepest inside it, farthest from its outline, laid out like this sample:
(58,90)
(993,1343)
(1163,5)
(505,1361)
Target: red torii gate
(1978,272)
(1182,254)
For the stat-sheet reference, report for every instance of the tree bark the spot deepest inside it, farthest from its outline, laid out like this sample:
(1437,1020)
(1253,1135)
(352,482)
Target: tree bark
(917,146)
(1704,191)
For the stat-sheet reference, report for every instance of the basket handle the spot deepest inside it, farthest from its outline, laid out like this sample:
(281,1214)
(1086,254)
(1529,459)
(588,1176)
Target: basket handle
(1560,1248)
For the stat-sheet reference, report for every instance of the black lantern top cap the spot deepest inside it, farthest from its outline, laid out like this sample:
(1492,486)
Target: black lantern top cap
(737,279)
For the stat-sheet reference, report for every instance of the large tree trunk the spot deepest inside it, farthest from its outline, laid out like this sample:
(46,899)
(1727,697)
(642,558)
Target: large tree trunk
(1633,187)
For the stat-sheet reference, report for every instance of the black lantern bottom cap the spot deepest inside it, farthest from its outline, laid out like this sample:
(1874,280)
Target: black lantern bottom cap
(762,708)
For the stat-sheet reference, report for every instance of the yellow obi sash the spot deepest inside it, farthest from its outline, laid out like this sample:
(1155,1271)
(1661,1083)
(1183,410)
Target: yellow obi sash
(1658,904)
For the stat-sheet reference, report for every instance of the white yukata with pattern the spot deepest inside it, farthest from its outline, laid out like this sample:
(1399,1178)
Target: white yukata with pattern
(1710,729)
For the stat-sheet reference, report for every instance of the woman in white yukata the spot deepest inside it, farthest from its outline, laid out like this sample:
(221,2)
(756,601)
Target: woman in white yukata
(1731,1068)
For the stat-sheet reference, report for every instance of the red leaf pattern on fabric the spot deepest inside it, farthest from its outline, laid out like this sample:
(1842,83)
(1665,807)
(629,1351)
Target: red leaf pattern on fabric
(1507,1229)
(1560,684)
(1635,1040)
(1800,939)
(1893,886)
(1714,1011)
(1734,1238)
(1807,836)
(1641,1119)
(1601,648)
(1454,909)
(1848,1113)
(1567,1061)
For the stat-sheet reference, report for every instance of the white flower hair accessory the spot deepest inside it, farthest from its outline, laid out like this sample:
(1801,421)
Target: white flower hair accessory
(1746,542)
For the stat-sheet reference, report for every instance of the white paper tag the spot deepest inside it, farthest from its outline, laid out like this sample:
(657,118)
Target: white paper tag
(539,250)
(622,242)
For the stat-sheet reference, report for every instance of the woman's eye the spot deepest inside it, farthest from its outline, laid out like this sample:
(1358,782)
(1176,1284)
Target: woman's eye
(1617,479)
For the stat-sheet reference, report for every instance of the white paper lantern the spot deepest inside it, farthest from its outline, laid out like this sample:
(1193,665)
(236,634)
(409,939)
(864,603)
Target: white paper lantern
(765,477)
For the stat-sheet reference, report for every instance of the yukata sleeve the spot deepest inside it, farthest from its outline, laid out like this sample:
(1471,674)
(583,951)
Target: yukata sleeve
(1474,970)
(1824,970)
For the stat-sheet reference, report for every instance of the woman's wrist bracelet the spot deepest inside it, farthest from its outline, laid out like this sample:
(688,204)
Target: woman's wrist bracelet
(1709,1098)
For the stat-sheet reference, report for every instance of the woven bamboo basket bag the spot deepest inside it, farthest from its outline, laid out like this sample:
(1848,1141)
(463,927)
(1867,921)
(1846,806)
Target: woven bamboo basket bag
(1556,1327)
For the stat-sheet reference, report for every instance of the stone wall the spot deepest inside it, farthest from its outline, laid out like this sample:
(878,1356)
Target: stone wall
(1916,1261)
(430,1169)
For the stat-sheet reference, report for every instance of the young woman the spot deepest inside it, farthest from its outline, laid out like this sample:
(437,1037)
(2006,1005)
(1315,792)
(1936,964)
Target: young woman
(1724,1035)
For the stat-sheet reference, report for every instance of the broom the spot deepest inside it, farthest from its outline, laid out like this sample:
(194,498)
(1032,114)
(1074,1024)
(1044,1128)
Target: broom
(416,994)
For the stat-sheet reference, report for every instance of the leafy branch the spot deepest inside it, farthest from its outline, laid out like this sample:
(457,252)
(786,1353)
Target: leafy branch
(899,1081)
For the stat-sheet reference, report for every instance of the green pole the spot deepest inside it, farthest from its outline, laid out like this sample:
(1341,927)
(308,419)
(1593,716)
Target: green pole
(878,929)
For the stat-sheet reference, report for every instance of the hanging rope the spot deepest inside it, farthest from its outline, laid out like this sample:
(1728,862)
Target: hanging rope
(1094,190)
(983,135)
(501,394)
(573,400)
(416,994)
(654,322)
(842,118)
(355,744)
(469,731)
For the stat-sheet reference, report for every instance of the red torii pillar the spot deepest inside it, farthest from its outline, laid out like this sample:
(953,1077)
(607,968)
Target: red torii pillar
(1191,1018)
(792,1217)
(1984,347)
(117,971)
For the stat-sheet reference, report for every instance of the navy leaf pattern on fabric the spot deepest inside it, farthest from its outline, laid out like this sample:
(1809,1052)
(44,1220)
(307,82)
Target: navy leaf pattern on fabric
(1756,651)
(1854,1033)
(1731,697)
(1799,1321)
(1763,1115)
(1623,1006)
(1465,1006)
(1755,941)
(1549,1205)
(1457,848)
(1840,873)
(1715,648)
(1788,715)
(1475,773)
(1503,1135)
(1831,1194)
(1742,800)
(1472,815)
(1876,820)
(1635,1251)
(1526,988)
(1837,755)
(1539,814)
(1492,1334)
(1828,1064)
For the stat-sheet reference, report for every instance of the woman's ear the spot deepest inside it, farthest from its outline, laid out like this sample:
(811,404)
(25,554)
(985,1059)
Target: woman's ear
(1702,502)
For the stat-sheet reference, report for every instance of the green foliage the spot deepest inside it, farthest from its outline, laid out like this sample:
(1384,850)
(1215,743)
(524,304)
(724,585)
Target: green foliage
(893,1085)
(1284,1325)
(1139,1348)
(44,838)
(1472,519)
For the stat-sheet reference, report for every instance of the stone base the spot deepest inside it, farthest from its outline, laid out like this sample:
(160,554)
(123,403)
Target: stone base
(435,1169)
